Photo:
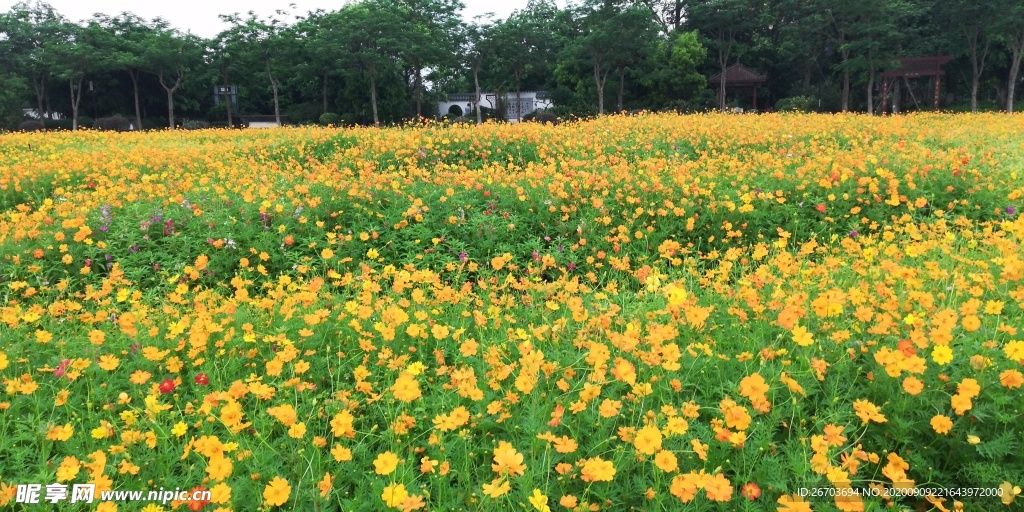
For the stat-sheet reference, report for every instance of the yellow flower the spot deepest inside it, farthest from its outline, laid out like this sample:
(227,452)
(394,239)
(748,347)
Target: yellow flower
(801,336)
(297,431)
(68,469)
(498,487)
(62,433)
(868,412)
(942,355)
(394,495)
(597,470)
(666,461)
(341,454)
(385,463)
(179,429)
(406,388)
(539,501)
(277,491)
(109,362)
(648,440)
(1009,492)
(507,461)
(219,468)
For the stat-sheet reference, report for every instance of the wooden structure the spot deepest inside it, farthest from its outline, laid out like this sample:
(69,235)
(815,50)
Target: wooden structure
(915,67)
(738,77)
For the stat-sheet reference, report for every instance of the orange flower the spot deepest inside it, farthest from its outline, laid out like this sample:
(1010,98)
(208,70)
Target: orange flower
(718,488)
(941,424)
(868,412)
(507,461)
(1011,379)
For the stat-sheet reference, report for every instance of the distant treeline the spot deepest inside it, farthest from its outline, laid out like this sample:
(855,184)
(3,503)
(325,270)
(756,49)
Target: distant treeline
(388,61)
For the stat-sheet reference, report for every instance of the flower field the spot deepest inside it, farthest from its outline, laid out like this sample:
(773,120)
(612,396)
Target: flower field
(656,312)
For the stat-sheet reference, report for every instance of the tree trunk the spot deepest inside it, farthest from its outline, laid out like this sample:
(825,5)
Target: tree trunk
(325,92)
(373,93)
(134,74)
(76,98)
(277,104)
(170,108)
(1017,46)
(476,83)
(170,93)
(622,85)
(977,64)
(871,91)
(599,82)
(39,86)
(846,90)
(519,115)
(418,90)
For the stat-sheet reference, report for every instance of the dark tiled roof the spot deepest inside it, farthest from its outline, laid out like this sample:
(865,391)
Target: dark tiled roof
(737,74)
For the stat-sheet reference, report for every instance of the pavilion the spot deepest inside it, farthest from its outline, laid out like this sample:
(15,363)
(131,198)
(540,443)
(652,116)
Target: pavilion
(738,77)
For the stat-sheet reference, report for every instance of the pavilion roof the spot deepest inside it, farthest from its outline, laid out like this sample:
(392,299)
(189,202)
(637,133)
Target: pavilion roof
(738,74)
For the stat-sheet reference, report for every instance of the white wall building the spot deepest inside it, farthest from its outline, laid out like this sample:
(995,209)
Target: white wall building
(530,101)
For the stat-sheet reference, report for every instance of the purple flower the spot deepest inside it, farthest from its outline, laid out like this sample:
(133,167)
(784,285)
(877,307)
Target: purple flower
(463,256)
(1010,210)
(853,234)
(572,266)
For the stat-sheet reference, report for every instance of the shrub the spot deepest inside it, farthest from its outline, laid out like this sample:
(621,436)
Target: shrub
(194,124)
(329,119)
(797,104)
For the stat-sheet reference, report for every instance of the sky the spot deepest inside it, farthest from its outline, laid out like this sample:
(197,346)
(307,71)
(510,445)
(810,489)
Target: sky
(200,16)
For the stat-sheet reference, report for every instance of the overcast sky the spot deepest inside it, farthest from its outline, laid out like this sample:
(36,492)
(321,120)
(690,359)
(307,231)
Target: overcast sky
(200,16)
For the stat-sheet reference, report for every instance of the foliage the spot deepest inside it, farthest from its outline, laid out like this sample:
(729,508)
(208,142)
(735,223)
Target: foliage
(329,119)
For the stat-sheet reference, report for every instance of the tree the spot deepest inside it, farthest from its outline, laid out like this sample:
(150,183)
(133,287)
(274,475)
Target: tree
(121,42)
(1011,27)
(479,43)
(976,23)
(616,39)
(29,31)
(670,14)
(372,33)
(170,55)
(75,55)
(726,23)
(525,47)
(431,37)
(321,48)
(674,75)
(267,41)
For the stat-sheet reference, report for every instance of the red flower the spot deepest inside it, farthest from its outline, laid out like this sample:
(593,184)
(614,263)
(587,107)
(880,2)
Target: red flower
(820,207)
(202,379)
(167,386)
(197,503)
(751,491)
(487,193)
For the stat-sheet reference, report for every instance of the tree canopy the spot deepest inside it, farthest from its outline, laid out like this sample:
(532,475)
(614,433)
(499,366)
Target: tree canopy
(389,61)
